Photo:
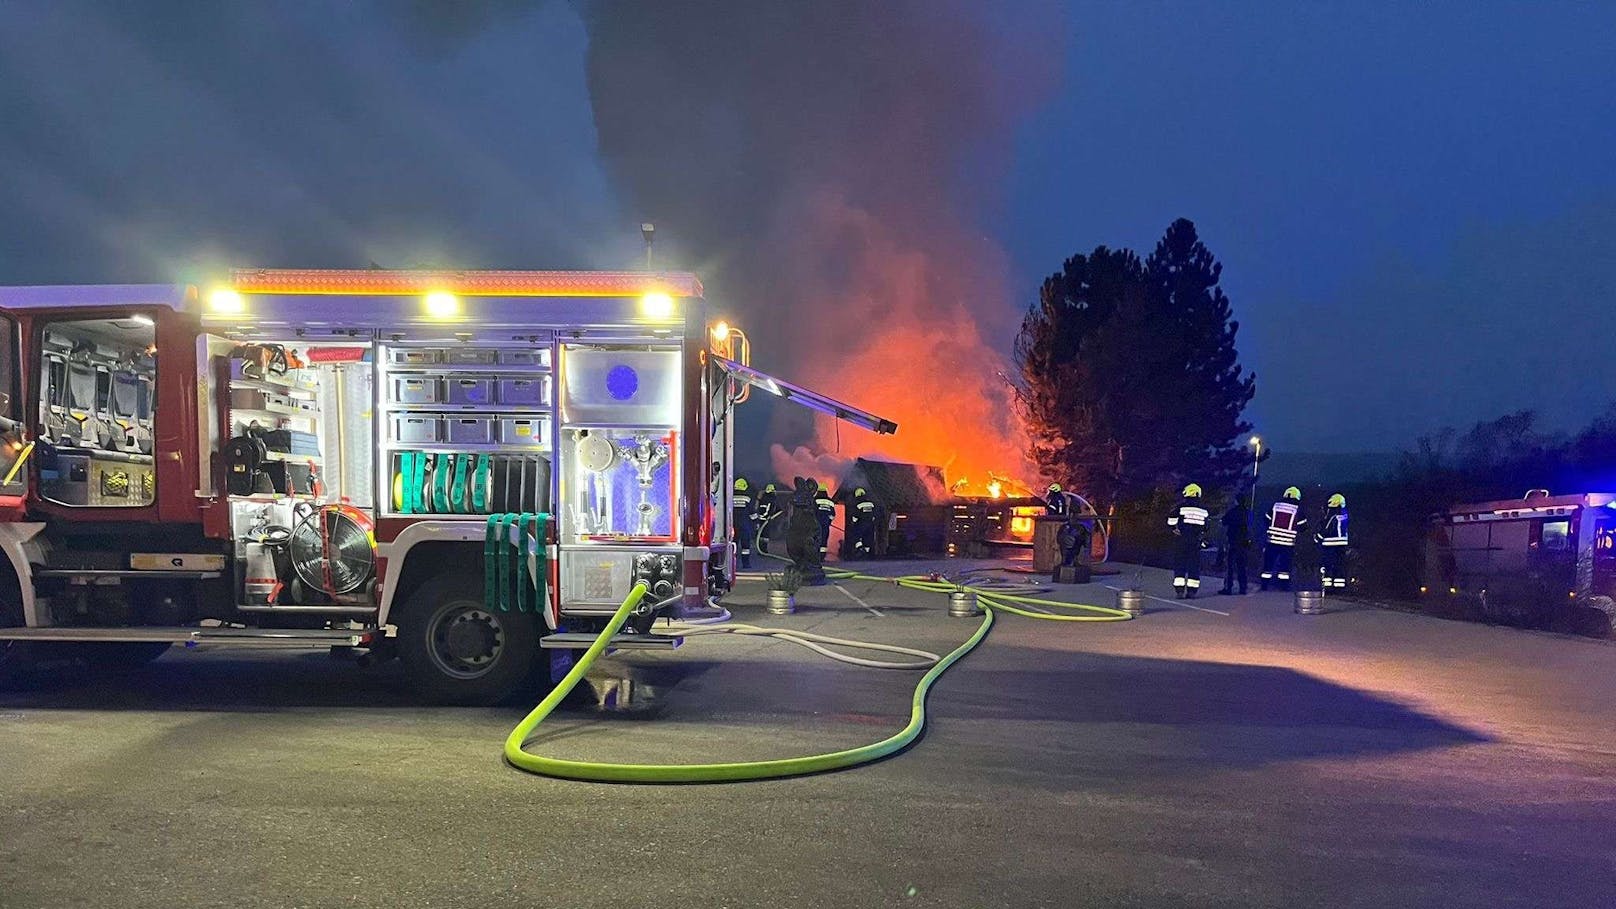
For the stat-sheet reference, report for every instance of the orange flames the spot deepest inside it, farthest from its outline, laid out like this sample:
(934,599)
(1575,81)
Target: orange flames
(895,336)
(998,486)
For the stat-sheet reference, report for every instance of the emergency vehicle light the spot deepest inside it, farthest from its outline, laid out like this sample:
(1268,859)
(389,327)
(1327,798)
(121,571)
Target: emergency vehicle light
(418,283)
(656,305)
(440,304)
(225,300)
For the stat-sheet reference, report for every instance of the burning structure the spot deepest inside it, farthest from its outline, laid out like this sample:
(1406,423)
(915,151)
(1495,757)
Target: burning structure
(924,514)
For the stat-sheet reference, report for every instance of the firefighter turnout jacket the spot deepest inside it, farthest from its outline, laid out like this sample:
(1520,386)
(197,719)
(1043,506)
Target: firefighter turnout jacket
(741,508)
(1334,531)
(1285,521)
(826,508)
(768,503)
(1188,519)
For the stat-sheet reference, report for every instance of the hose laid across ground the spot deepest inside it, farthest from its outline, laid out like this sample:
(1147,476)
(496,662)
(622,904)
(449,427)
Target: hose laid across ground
(813,642)
(605,772)
(601,771)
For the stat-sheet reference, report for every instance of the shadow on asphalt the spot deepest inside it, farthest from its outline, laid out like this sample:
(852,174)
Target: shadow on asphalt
(1231,714)
(267,683)
(1219,713)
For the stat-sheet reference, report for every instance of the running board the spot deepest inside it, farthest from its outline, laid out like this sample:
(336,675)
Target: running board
(582,641)
(586,609)
(114,575)
(248,637)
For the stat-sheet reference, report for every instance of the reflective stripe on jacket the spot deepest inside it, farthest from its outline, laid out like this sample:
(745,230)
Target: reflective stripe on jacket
(1189,518)
(1284,521)
(1335,529)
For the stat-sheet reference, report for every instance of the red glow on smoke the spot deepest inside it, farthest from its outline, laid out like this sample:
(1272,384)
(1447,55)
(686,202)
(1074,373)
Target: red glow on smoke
(903,340)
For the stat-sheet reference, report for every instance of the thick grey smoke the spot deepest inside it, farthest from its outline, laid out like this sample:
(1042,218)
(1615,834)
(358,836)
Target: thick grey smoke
(826,166)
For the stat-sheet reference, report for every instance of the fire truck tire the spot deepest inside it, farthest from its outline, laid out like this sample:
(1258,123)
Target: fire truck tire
(455,650)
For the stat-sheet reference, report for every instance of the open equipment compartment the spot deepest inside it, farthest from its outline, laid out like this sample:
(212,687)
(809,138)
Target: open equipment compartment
(620,522)
(468,425)
(96,439)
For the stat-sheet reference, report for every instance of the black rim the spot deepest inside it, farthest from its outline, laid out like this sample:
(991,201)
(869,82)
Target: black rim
(465,641)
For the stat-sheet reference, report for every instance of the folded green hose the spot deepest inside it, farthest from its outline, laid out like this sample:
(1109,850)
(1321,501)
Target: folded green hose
(491,539)
(606,772)
(417,486)
(442,467)
(458,499)
(479,485)
(506,579)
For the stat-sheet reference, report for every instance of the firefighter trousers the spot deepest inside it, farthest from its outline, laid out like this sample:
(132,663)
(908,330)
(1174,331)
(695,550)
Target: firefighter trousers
(862,530)
(1236,568)
(1187,566)
(1276,566)
(745,536)
(1334,560)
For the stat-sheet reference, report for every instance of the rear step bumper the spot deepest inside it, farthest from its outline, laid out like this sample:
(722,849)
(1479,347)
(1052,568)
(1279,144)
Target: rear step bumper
(245,637)
(571,641)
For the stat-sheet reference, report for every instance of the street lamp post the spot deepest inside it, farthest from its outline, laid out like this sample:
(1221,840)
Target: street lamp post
(1256,458)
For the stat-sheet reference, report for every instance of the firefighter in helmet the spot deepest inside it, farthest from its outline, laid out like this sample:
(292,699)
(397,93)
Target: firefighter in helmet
(1055,501)
(861,523)
(825,506)
(743,520)
(1285,521)
(1188,520)
(1332,540)
(769,511)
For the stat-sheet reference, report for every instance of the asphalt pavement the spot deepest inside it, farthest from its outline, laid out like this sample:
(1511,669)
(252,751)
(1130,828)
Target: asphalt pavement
(1230,754)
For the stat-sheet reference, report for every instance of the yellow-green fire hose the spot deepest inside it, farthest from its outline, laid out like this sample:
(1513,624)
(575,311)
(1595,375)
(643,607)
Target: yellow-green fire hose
(735,771)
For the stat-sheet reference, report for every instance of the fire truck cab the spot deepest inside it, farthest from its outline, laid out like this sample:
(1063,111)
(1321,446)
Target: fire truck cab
(466,470)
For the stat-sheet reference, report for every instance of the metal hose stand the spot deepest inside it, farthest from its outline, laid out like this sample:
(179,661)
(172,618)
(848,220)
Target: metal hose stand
(962,604)
(781,602)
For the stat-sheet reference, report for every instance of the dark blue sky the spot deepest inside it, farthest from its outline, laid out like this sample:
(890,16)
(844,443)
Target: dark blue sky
(1415,204)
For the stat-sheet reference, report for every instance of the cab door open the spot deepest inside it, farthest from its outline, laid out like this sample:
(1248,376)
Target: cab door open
(15,447)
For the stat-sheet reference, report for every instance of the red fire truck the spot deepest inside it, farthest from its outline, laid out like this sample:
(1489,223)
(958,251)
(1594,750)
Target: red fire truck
(466,470)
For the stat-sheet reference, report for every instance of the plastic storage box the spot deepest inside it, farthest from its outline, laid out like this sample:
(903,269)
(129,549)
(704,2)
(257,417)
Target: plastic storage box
(416,429)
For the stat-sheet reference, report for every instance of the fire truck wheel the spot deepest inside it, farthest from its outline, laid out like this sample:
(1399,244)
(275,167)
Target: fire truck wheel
(455,650)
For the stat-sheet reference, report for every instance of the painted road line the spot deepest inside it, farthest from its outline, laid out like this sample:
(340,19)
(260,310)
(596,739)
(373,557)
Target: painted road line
(873,611)
(1175,602)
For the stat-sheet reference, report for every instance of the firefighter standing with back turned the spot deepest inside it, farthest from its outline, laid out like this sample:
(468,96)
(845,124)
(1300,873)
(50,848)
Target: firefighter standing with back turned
(826,508)
(1285,521)
(1332,540)
(743,518)
(861,524)
(768,509)
(1055,501)
(1188,521)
